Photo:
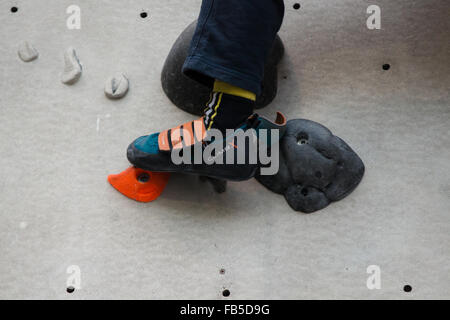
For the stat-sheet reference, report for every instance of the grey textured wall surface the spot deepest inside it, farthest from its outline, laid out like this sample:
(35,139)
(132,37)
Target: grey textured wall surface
(58,143)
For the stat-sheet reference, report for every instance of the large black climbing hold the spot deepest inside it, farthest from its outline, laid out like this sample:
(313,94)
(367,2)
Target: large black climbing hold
(191,96)
(316,167)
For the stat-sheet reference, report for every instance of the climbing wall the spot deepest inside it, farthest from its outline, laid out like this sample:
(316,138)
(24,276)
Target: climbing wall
(66,233)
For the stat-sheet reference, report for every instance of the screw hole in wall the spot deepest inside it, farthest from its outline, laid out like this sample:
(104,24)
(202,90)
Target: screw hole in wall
(226,293)
(386,66)
(302,138)
(222,271)
(296,6)
(14,9)
(70,289)
(144,14)
(407,288)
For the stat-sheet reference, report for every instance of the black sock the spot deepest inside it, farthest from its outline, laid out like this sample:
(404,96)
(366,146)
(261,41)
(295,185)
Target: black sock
(225,111)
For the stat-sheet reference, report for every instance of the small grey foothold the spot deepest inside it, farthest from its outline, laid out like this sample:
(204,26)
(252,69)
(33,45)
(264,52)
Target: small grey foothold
(27,52)
(72,68)
(116,86)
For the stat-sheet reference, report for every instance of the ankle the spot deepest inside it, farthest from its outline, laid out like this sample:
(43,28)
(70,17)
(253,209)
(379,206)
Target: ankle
(228,106)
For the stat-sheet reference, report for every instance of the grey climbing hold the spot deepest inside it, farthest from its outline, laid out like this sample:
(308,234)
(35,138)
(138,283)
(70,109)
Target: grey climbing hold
(316,167)
(72,67)
(219,185)
(27,52)
(116,86)
(191,96)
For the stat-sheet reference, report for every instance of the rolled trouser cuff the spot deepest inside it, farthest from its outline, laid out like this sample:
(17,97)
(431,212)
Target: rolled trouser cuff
(204,71)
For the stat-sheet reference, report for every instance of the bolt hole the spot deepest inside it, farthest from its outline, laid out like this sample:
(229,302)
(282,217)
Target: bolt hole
(386,66)
(318,174)
(304,192)
(407,288)
(14,9)
(144,15)
(222,271)
(226,293)
(70,289)
(302,138)
(296,6)
(143,177)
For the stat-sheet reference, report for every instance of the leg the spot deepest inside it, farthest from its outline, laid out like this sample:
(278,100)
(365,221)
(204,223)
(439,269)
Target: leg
(228,51)
(231,41)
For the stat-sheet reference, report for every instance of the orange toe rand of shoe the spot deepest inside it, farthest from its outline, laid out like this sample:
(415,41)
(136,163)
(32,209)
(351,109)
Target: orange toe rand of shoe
(138,184)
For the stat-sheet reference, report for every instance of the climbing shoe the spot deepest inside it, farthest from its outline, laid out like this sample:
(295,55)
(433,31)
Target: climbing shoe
(191,148)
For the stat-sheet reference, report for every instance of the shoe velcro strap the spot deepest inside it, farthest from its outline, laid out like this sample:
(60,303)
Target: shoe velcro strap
(182,136)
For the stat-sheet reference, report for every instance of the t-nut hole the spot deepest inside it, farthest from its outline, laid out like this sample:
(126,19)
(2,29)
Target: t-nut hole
(144,14)
(143,177)
(14,9)
(304,192)
(302,138)
(296,6)
(226,293)
(70,289)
